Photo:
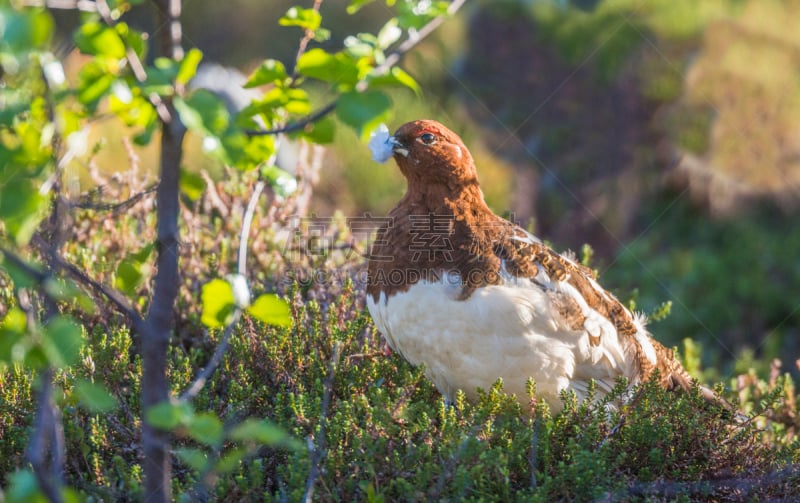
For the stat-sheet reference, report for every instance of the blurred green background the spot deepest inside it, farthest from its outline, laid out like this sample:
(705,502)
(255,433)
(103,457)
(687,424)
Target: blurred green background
(664,133)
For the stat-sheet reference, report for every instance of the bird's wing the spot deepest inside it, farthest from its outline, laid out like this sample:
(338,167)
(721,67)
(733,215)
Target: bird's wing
(610,341)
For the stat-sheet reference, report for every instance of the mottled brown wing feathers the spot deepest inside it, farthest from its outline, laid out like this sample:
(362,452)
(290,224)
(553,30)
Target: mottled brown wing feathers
(522,256)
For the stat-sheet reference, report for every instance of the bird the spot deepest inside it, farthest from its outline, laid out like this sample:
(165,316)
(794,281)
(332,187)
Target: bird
(476,298)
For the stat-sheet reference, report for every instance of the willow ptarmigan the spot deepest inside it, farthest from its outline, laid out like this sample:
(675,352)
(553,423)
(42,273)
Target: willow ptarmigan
(475,297)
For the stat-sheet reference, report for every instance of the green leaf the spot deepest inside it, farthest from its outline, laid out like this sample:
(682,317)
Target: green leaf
(363,111)
(14,342)
(99,39)
(167,415)
(20,277)
(206,428)
(94,82)
(35,358)
(321,131)
(334,68)
(218,303)
(132,270)
(298,102)
(21,208)
(263,432)
(204,112)
(191,184)
(129,276)
(268,72)
(61,341)
(14,321)
(23,487)
(356,5)
(322,35)
(188,66)
(68,291)
(231,460)
(143,254)
(417,14)
(133,39)
(26,30)
(395,77)
(362,46)
(271,309)
(144,138)
(94,397)
(389,34)
(196,459)
(308,19)
(160,77)
(249,152)
(282,182)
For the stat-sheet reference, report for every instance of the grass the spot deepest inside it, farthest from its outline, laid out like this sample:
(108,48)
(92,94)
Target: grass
(373,426)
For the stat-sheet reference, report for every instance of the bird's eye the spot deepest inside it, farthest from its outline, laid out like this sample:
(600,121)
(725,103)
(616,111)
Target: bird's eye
(427,138)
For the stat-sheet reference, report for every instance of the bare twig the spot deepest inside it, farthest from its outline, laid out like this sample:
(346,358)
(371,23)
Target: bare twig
(197,384)
(299,125)
(308,36)
(81,5)
(18,262)
(246,223)
(742,487)
(414,38)
(202,378)
(57,262)
(115,207)
(365,356)
(534,452)
(318,446)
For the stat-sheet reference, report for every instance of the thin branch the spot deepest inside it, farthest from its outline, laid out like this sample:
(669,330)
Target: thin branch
(202,378)
(308,36)
(200,381)
(299,125)
(414,38)
(18,262)
(317,447)
(115,207)
(81,5)
(58,262)
(742,487)
(246,223)
(534,450)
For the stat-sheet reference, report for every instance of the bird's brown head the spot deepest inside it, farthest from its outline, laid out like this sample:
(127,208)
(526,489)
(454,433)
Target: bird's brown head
(429,153)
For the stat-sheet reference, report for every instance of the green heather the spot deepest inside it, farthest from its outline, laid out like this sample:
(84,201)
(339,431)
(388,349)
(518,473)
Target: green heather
(376,426)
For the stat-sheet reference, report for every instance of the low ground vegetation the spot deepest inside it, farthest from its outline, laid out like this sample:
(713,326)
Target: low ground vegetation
(362,424)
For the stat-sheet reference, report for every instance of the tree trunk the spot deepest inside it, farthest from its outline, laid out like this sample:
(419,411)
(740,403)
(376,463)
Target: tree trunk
(160,319)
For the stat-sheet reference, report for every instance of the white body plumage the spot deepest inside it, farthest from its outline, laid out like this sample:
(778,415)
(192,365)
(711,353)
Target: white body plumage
(510,331)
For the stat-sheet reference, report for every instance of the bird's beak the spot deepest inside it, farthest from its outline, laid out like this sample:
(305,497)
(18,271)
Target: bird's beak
(397,147)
